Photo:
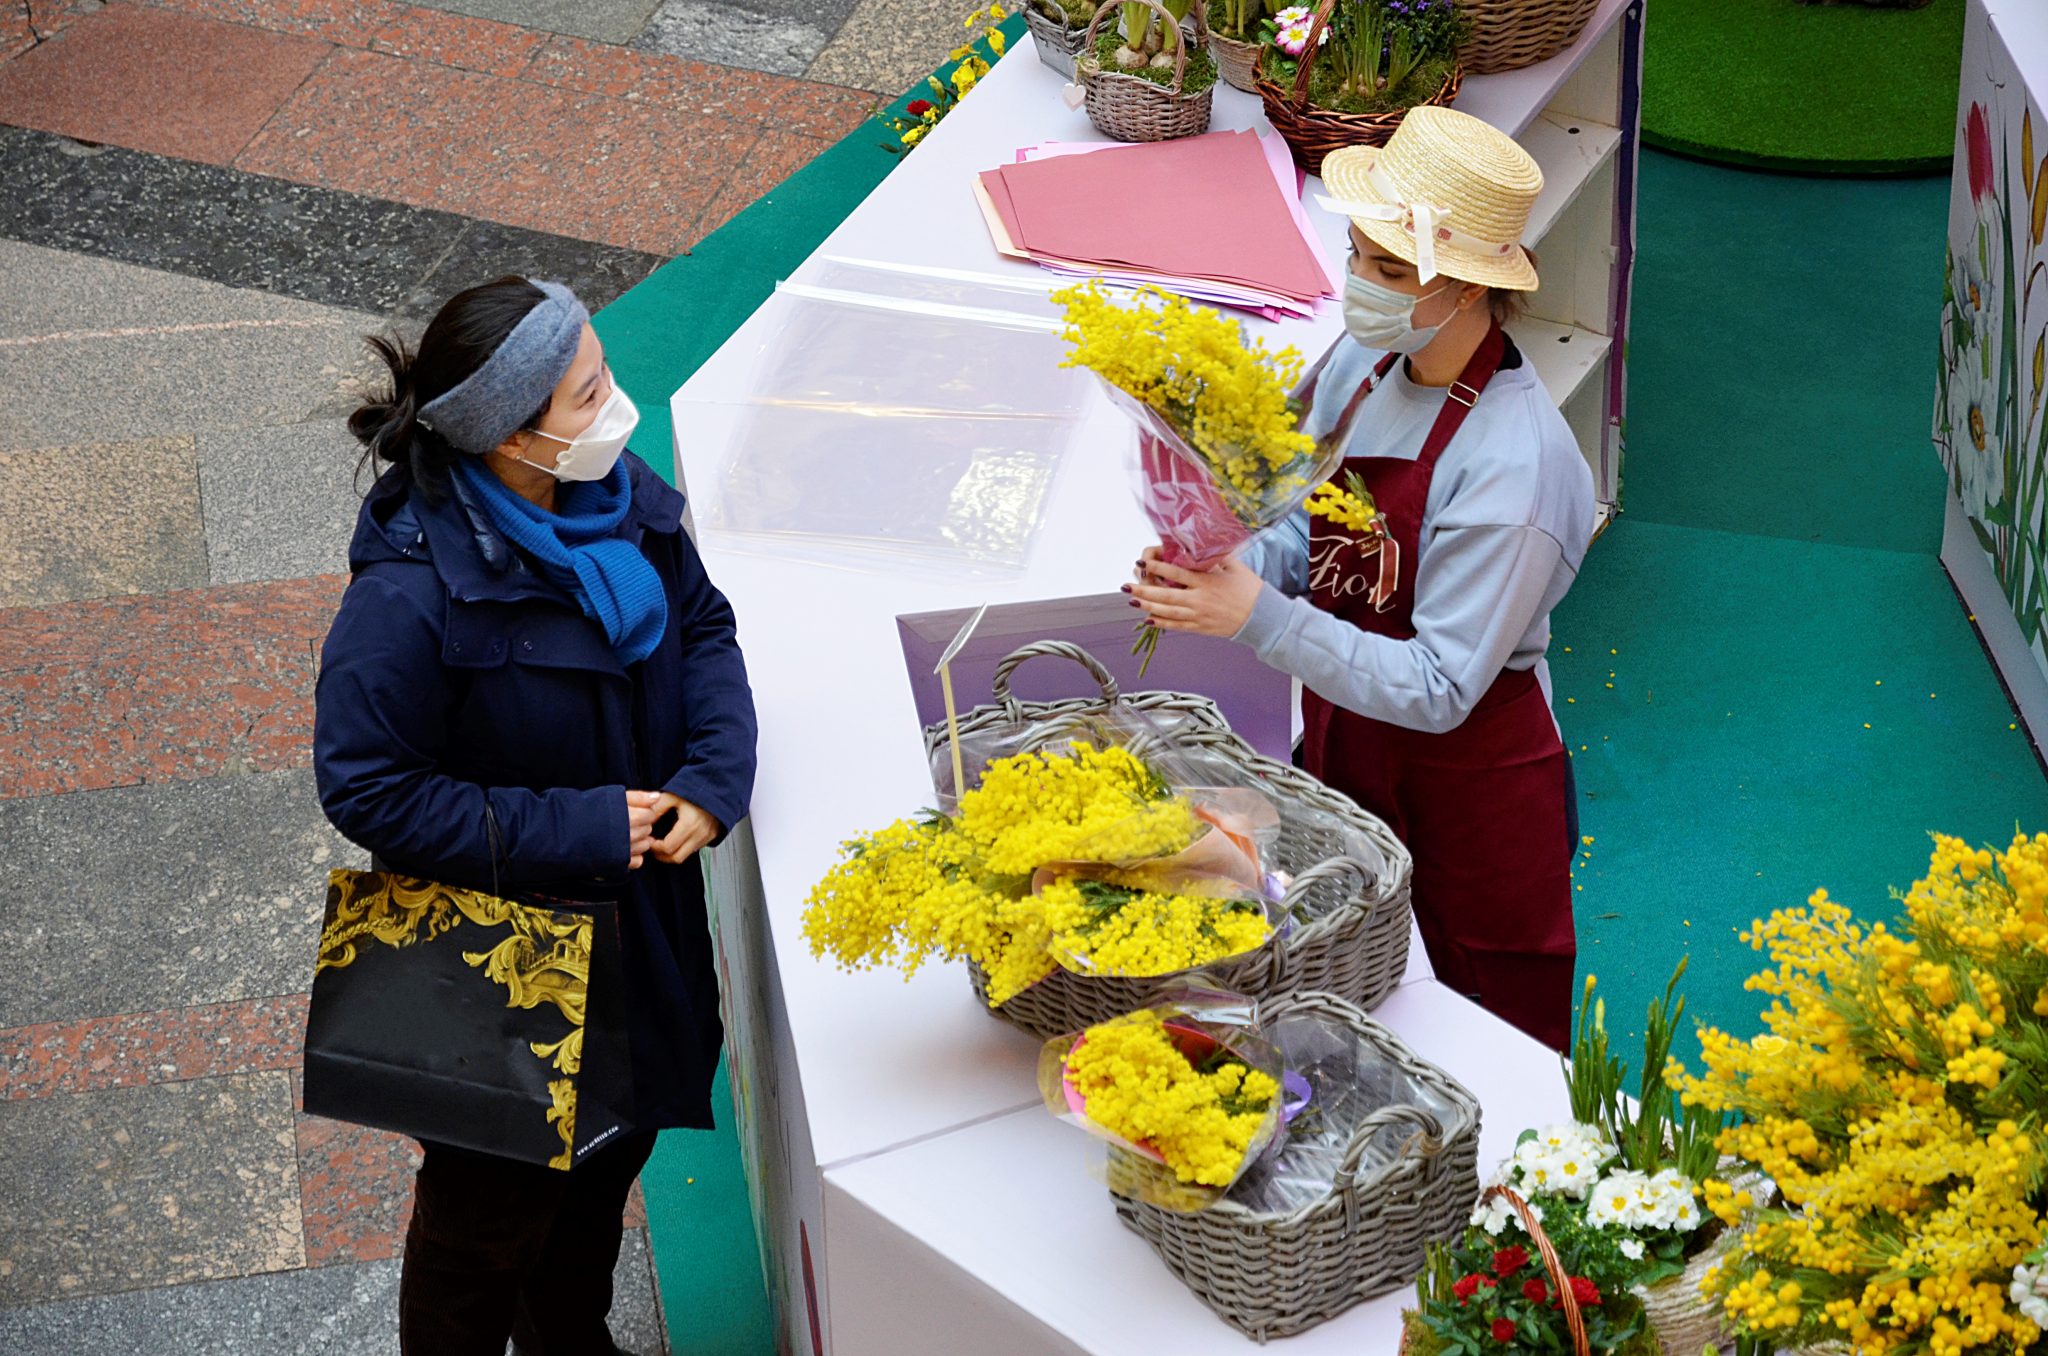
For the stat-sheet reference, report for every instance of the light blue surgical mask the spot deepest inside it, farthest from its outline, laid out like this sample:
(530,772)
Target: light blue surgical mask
(1379,317)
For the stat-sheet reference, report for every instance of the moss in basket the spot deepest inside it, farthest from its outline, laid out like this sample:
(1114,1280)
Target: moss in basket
(1072,13)
(1201,66)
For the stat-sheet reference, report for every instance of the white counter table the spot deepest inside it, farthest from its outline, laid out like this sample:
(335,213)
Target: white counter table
(911,1195)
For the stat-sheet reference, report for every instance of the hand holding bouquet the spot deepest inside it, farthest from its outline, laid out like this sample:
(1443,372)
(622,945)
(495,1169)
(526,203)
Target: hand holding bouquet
(1221,455)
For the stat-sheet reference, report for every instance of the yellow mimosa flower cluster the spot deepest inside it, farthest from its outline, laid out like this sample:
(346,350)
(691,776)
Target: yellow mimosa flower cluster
(1896,1098)
(961,887)
(1228,398)
(1138,1084)
(1348,505)
(1098,928)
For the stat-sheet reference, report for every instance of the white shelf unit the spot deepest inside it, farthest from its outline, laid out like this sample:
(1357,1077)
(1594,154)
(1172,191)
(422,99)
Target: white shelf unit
(1579,230)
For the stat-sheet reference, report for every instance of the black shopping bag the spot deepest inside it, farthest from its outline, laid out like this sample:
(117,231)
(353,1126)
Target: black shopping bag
(453,1015)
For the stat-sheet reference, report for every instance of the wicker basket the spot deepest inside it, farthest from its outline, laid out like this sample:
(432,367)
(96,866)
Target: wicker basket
(1128,108)
(1274,1275)
(1311,132)
(1236,61)
(1354,942)
(1058,43)
(1509,34)
(1684,1320)
(1575,1322)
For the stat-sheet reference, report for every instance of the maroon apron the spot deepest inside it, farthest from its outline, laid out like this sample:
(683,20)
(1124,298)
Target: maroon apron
(1481,807)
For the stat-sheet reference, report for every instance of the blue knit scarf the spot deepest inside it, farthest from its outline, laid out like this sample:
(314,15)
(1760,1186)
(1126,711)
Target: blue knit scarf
(577,549)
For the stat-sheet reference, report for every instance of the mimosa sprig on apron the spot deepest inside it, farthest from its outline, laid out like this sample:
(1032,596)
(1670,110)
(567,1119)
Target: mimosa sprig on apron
(1073,857)
(1221,453)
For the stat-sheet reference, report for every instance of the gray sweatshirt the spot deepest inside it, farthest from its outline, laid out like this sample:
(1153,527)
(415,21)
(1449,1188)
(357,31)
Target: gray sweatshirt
(1509,514)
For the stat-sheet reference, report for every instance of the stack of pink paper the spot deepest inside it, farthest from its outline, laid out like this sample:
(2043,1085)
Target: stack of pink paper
(1216,218)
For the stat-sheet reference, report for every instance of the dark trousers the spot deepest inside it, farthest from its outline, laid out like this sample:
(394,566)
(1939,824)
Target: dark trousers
(501,1249)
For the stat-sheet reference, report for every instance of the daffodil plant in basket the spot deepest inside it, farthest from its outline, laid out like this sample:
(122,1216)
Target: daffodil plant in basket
(1896,1098)
(1618,1190)
(1371,56)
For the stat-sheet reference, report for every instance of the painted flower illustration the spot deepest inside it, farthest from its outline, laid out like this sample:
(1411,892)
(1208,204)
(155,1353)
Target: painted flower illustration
(1977,132)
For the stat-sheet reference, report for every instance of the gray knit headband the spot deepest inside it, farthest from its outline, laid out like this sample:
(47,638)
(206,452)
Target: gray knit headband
(492,403)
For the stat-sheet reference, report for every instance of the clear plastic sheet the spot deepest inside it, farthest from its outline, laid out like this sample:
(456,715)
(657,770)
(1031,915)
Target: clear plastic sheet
(1345,1081)
(895,426)
(1204,1023)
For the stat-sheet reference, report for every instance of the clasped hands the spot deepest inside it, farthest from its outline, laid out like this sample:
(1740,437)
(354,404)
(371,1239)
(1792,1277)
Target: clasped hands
(1217,601)
(693,829)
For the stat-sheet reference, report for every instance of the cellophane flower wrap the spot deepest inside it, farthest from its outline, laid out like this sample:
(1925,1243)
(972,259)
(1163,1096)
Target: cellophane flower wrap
(1896,1099)
(1030,873)
(1187,1093)
(1221,456)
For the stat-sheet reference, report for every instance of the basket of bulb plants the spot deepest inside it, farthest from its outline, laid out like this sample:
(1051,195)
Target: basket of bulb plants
(1145,78)
(1346,72)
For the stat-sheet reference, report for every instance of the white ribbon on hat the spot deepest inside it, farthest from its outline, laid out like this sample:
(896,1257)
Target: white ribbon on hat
(1421,219)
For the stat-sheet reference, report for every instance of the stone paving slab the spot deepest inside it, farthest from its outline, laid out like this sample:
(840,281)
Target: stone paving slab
(141,1187)
(516,152)
(348,1310)
(156,80)
(279,503)
(139,1048)
(740,35)
(96,351)
(106,518)
(153,897)
(774,158)
(291,239)
(889,45)
(617,21)
(167,687)
(802,106)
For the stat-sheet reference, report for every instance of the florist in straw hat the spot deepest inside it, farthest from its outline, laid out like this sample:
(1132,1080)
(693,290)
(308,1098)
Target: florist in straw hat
(1413,597)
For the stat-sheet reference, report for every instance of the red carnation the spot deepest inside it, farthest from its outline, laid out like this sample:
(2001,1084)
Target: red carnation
(1503,1330)
(917,108)
(1508,1261)
(1535,1289)
(1466,1288)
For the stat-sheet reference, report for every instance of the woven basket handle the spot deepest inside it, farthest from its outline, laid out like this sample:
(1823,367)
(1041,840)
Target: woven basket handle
(1180,46)
(1573,1319)
(1304,66)
(1429,1142)
(1297,892)
(1058,649)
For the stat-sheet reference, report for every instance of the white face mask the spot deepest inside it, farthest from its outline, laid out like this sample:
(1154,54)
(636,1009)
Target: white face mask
(1379,317)
(591,454)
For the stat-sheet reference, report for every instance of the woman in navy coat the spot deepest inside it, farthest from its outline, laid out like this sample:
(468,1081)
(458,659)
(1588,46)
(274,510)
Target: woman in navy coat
(530,653)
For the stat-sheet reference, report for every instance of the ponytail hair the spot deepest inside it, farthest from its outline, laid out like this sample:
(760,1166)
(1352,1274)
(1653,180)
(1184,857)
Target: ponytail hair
(458,340)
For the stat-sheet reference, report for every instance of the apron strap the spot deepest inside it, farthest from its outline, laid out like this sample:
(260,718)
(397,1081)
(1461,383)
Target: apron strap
(1463,395)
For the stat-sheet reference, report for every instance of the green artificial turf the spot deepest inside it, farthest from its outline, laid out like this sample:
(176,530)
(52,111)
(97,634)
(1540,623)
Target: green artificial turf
(1728,771)
(1782,352)
(1783,85)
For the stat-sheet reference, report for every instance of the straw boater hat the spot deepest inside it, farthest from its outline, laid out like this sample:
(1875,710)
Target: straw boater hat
(1448,193)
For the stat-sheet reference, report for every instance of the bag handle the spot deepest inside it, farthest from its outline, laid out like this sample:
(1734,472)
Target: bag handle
(496,839)
(1304,66)
(1180,42)
(1058,649)
(1559,1278)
